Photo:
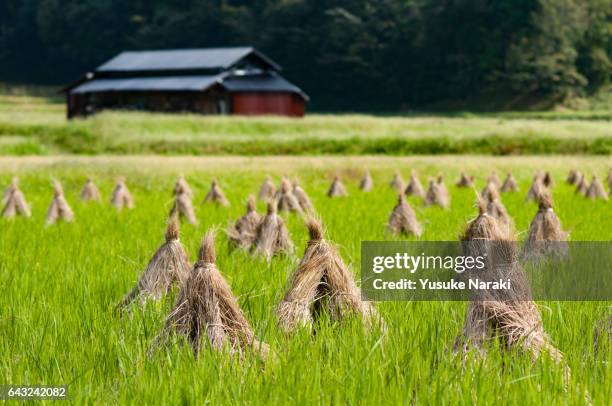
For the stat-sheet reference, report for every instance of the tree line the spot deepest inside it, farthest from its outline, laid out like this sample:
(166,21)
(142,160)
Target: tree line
(346,54)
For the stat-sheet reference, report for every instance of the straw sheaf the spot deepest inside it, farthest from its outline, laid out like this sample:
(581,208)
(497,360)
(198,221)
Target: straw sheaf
(510,184)
(267,190)
(573,177)
(465,180)
(15,203)
(271,236)
(181,187)
(397,182)
(286,200)
(442,186)
(207,312)
(243,232)
(508,315)
(437,195)
(596,190)
(59,209)
(537,188)
(321,283)
(216,195)
(183,208)
(581,185)
(302,197)
(337,188)
(90,192)
(414,187)
(546,238)
(366,184)
(403,219)
(10,188)
(121,197)
(168,265)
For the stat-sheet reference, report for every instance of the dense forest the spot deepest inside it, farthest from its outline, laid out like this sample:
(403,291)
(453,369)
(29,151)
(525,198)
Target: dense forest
(347,54)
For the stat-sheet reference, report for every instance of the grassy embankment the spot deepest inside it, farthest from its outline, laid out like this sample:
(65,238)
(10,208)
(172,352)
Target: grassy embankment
(33,125)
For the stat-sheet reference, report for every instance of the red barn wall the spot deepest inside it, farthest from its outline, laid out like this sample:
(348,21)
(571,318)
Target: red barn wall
(284,104)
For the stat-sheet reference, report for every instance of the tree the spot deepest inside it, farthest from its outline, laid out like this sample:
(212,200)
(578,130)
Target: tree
(544,60)
(595,51)
(347,54)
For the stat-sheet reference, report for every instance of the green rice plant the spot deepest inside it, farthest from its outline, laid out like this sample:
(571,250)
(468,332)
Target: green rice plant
(61,283)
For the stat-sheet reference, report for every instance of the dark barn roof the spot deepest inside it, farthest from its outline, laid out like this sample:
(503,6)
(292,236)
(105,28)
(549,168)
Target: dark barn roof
(264,82)
(261,83)
(169,83)
(183,59)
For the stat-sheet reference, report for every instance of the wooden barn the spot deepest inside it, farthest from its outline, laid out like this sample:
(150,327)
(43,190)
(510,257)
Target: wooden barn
(208,81)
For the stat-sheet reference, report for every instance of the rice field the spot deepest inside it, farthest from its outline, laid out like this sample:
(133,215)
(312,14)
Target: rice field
(61,283)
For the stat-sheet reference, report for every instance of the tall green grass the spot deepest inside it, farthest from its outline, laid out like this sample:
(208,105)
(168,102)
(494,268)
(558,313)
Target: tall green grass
(34,125)
(60,283)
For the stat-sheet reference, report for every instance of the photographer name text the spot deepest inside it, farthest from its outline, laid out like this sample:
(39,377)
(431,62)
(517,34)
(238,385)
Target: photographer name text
(427,284)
